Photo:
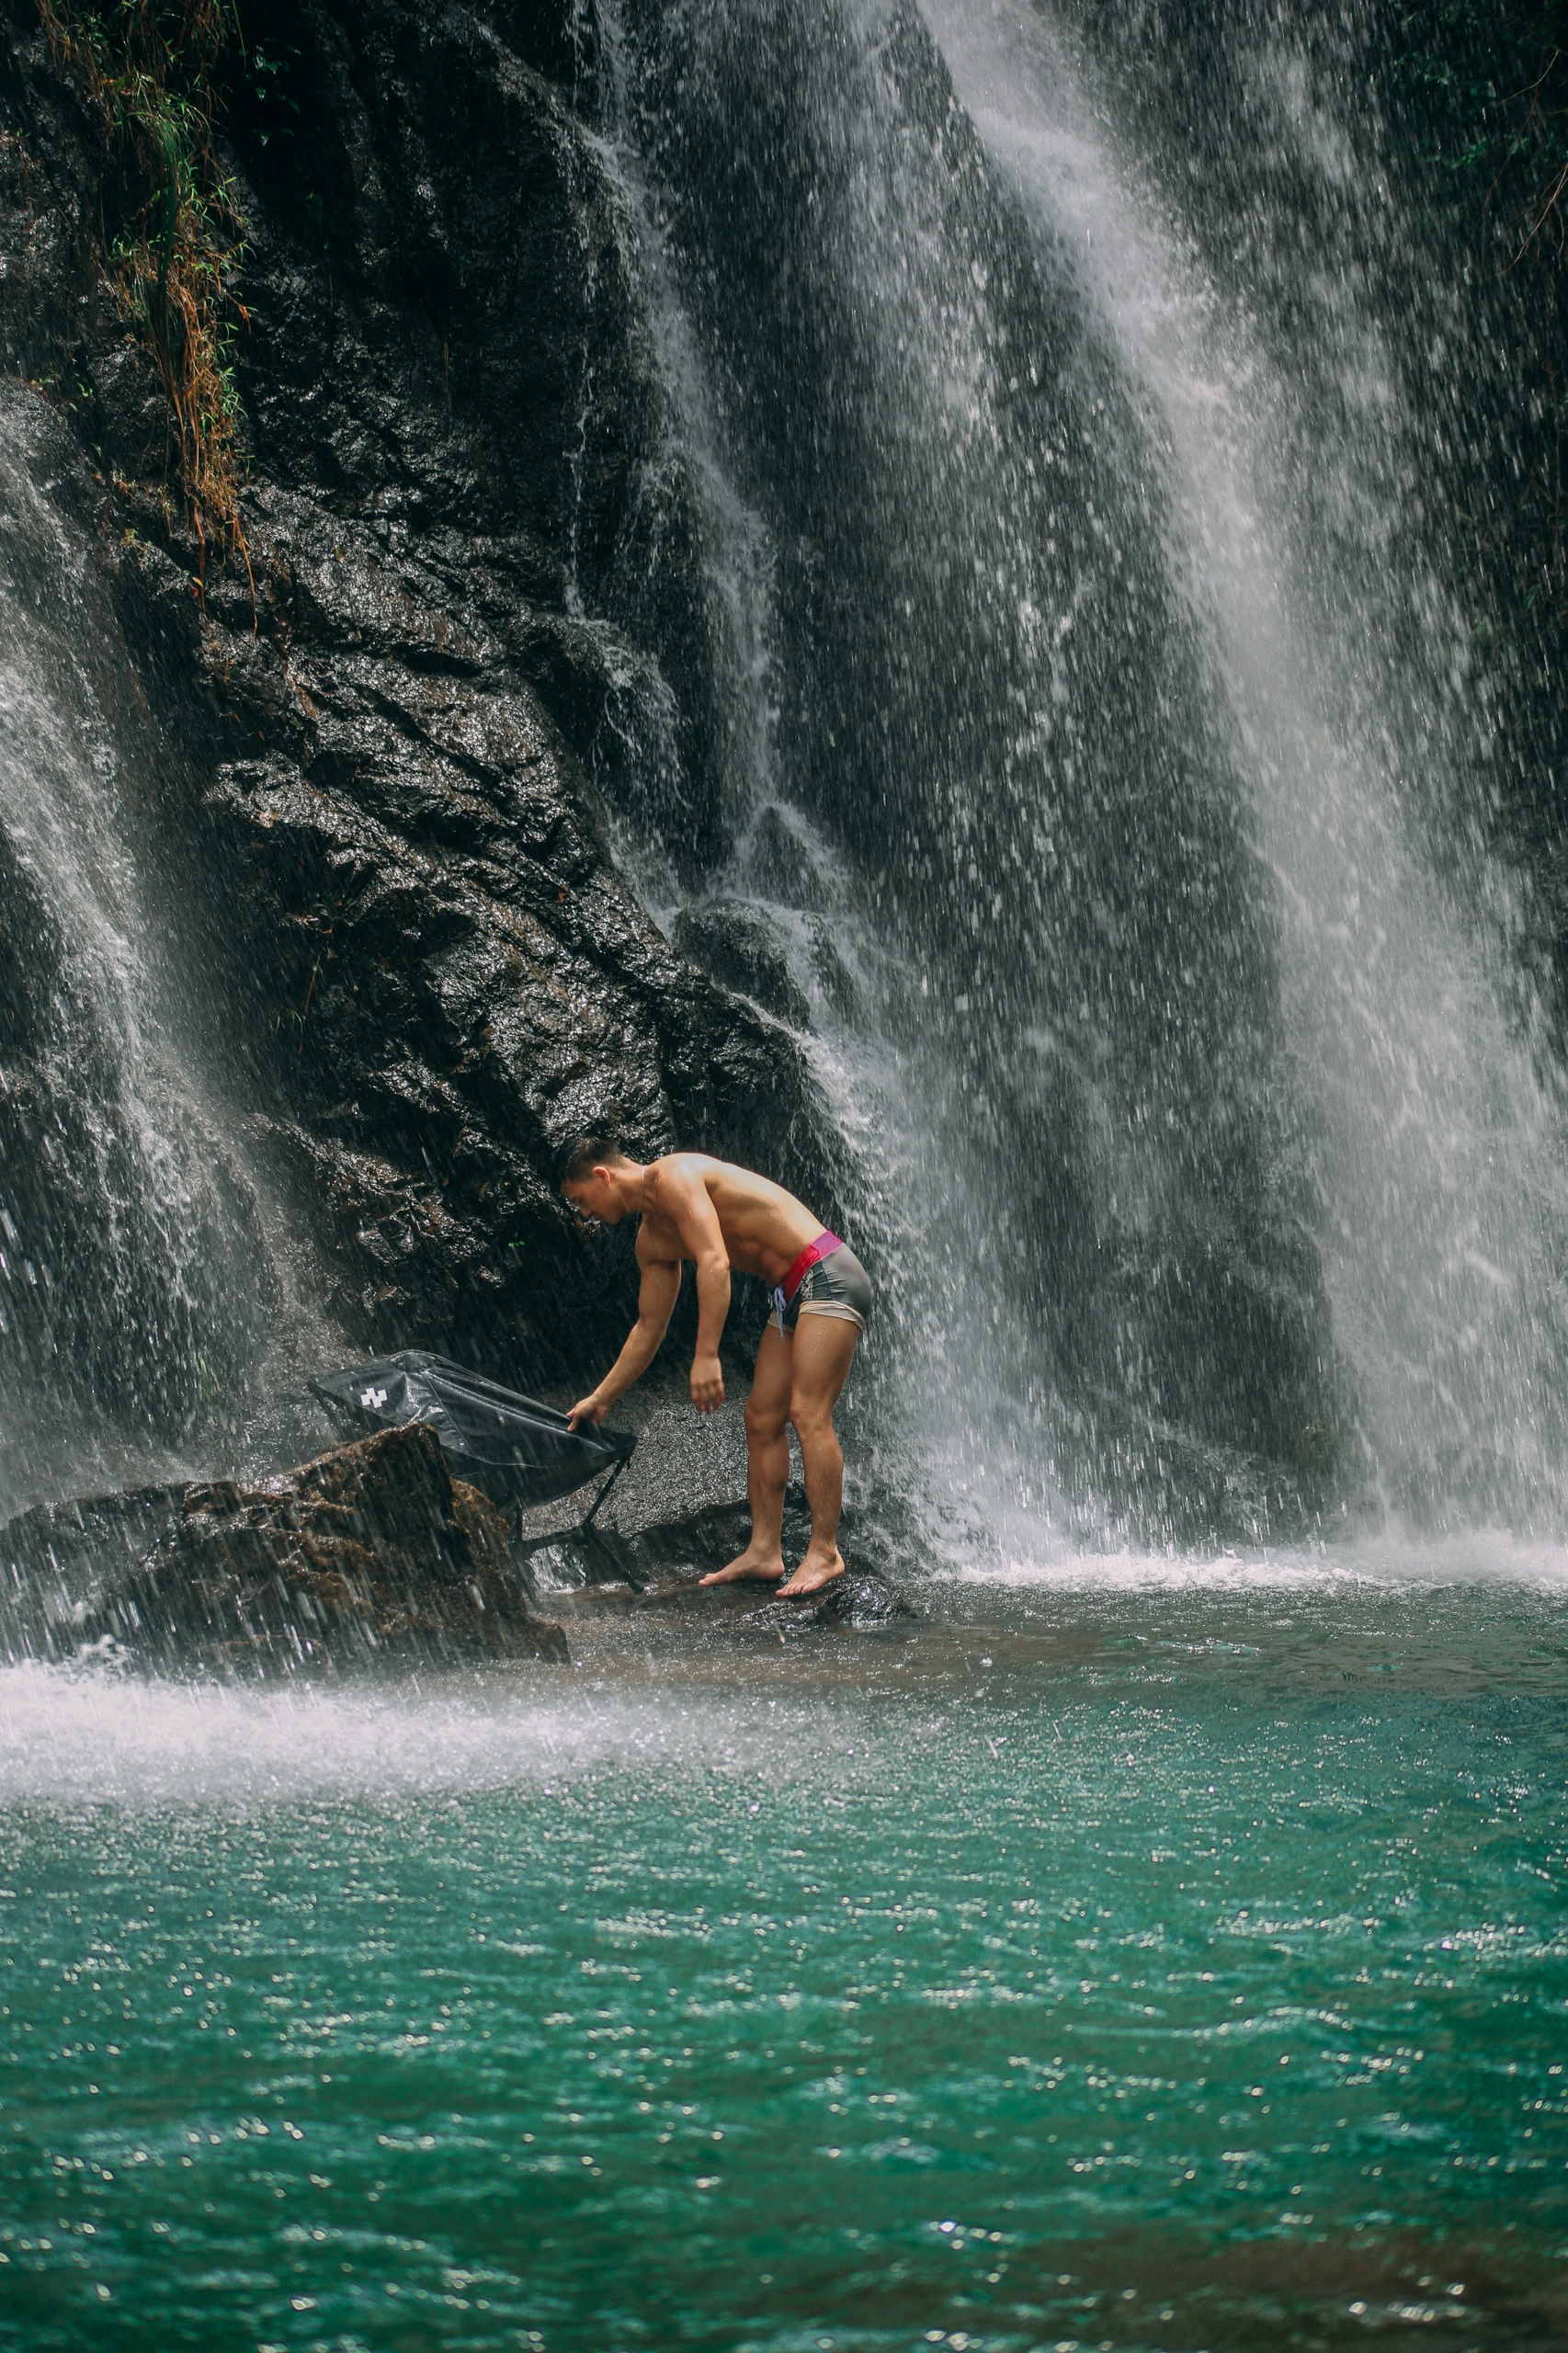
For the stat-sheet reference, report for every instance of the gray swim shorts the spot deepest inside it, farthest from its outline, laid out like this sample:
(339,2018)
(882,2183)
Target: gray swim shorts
(838,1285)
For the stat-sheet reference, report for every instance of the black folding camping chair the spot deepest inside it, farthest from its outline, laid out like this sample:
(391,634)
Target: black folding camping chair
(514,1450)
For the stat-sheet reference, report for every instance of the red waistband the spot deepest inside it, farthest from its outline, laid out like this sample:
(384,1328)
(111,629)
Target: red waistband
(822,1247)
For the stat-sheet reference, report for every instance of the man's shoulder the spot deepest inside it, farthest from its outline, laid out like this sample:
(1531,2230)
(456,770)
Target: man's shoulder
(680,1173)
(695,1164)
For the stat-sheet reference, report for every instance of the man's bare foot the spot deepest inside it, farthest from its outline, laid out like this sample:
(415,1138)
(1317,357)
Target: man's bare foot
(747,1564)
(815,1571)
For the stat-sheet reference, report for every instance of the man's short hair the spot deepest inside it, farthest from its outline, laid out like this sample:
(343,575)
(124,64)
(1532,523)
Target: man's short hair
(581,1156)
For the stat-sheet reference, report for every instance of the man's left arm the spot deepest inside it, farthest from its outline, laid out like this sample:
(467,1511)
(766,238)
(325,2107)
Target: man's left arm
(683,1198)
(656,1297)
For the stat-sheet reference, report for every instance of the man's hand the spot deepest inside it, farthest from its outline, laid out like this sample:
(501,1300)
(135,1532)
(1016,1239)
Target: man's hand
(587,1409)
(707,1384)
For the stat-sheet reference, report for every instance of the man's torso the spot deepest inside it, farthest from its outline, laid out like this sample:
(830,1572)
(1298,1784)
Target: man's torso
(764,1228)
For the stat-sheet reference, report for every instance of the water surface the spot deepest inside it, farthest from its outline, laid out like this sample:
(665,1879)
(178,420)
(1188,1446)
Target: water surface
(1138,1956)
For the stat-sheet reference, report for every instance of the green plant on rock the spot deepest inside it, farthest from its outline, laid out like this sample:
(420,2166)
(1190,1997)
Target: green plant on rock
(151,67)
(1493,74)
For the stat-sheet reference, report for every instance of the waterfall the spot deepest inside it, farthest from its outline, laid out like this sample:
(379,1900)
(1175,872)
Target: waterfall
(1437,1141)
(1081,689)
(1019,667)
(1069,1062)
(137,1287)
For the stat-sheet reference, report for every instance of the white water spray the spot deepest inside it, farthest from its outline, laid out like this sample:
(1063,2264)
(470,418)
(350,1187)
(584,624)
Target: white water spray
(1436,1151)
(137,1286)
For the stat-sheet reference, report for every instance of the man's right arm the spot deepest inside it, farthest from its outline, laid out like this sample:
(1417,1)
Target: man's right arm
(655,1305)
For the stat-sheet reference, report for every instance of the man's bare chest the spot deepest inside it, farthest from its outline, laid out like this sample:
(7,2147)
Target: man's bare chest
(660,1243)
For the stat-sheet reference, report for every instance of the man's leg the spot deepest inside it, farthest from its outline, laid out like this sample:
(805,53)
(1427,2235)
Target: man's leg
(824,1348)
(768,1461)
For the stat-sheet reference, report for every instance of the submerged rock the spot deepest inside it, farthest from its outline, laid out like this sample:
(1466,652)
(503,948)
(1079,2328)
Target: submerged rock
(372,1549)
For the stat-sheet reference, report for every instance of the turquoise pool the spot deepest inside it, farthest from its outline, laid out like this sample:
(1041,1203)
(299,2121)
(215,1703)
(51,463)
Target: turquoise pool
(1126,1960)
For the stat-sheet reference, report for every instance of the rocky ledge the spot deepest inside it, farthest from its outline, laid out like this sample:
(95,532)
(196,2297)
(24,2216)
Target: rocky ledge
(373,1550)
(370,1553)
(587,1573)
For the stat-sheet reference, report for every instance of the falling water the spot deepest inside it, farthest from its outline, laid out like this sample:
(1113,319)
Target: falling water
(1049,434)
(1437,1144)
(135,1290)
(932,819)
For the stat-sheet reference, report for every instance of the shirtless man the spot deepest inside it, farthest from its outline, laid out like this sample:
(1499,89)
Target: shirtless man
(722,1218)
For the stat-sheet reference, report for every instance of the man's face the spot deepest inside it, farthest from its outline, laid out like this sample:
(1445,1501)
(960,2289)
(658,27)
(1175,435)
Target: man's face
(594,1197)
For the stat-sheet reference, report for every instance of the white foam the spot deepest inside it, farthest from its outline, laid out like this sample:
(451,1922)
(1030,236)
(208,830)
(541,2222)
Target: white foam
(93,1734)
(1394,1559)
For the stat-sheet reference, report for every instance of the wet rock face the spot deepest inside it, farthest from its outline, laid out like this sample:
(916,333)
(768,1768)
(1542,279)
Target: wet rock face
(473,625)
(738,946)
(381,852)
(373,1550)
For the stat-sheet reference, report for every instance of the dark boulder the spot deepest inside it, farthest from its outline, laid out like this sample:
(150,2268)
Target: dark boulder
(59,1562)
(371,1550)
(739,946)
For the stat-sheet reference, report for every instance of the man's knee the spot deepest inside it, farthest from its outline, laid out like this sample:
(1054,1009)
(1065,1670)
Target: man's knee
(764,1422)
(810,1419)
